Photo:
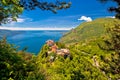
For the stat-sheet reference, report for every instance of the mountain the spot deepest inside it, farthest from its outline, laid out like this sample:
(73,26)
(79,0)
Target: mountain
(96,55)
(88,30)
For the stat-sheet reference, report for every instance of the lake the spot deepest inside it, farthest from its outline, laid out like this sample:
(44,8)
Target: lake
(34,40)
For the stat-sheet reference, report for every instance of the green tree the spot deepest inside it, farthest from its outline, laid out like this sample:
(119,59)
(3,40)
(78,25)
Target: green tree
(115,9)
(11,9)
(114,40)
(17,65)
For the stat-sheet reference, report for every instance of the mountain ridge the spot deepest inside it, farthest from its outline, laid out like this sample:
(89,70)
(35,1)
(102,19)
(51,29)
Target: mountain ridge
(88,30)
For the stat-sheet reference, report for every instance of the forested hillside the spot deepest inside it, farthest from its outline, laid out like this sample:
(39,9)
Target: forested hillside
(88,58)
(91,51)
(95,56)
(88,30)
(17,65)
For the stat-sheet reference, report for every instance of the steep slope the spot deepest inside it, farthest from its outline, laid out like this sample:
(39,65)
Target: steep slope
(96,56)
(88,30)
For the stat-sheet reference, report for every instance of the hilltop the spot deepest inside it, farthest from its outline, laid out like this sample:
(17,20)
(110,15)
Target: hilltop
(88,30)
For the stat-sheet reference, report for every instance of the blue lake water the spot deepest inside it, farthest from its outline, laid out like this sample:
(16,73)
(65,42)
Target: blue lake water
(33,40)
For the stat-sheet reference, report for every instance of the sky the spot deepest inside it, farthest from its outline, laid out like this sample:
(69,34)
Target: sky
(80,11)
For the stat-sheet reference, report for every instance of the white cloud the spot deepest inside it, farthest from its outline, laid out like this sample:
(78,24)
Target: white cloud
(110,16)
(87,19)
(20,20)
(12,23)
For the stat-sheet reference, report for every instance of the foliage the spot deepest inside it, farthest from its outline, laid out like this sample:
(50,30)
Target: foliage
(16,66)
(11,9)
(89,61)
(95,53)
(95,58)
(81,67)
(112,41)
(88,30)
(115,9)
(60,45)
(45,5)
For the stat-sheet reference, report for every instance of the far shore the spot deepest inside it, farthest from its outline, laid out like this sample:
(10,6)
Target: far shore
(31,29)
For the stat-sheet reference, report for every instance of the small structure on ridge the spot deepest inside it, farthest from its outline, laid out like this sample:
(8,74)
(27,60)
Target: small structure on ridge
(56,50)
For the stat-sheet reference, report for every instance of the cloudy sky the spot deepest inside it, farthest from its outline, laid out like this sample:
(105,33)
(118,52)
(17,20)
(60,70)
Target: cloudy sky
(80,11)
